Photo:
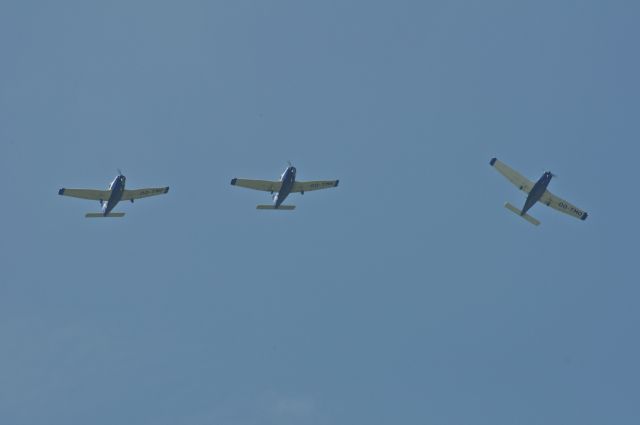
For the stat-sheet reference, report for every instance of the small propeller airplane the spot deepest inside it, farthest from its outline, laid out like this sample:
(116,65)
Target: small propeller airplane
(109,198)
(282,188)
(536,192)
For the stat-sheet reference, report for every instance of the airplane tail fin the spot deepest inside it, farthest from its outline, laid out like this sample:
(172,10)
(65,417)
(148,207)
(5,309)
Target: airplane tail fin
(273,207)
(101,215)
(525,216)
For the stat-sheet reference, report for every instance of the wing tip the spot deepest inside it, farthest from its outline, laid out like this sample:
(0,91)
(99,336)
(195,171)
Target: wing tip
(61,191)
(493,161)
(233,182)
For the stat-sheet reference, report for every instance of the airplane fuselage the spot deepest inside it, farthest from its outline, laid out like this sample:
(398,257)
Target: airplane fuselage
(288,179)
(117,190)
(537,191)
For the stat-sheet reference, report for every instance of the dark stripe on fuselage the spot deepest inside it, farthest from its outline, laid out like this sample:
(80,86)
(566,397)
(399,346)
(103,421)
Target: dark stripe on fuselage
(288,179)
(537,191)
(117,190)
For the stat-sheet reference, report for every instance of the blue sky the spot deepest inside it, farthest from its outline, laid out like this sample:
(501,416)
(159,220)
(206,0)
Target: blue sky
(406,295)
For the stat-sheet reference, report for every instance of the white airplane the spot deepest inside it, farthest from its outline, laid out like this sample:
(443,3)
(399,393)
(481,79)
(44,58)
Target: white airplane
(536,192)
(282,188)
(109,198)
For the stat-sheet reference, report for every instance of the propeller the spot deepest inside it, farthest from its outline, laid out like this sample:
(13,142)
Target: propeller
(119,172)
(290,164)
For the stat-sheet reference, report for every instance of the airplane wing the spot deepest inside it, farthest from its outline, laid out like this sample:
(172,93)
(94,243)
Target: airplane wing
(557,203)
(264,185)
(521,182)
(130,195)
(314,185)
(94,195)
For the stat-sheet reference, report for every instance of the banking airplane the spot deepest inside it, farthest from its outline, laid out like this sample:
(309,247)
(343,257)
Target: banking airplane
(282,188)
(536,192)
(109,198)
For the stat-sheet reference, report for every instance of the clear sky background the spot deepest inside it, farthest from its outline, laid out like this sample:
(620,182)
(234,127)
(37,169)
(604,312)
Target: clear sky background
(406,295)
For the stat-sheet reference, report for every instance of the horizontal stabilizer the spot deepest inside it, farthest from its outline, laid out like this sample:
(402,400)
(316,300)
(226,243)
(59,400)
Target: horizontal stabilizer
(273,207)
(525,216)
(101,215)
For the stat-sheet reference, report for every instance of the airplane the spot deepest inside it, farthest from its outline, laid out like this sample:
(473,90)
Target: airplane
(536,192)
(109,198)
(282,188)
